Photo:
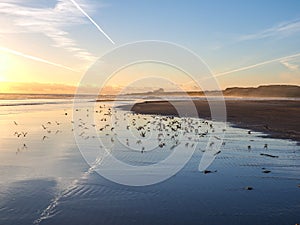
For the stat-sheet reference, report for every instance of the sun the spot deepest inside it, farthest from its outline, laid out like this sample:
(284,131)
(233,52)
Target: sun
(2,78)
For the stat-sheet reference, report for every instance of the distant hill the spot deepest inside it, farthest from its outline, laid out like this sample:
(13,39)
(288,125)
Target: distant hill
(284,91)
(291,91)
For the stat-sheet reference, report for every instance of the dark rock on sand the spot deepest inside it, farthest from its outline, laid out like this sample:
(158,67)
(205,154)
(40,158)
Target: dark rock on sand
(209,171)
(248,188)
(268,155)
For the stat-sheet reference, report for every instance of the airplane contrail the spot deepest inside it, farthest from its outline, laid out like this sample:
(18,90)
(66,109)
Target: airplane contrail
(257,65)
(11,51)
(246,68)
(92,21)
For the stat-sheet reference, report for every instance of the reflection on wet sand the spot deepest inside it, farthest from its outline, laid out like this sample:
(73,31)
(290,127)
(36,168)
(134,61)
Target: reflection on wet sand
(242,185)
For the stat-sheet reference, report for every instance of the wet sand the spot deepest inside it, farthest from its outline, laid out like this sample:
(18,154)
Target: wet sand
(47,180)
(277,118)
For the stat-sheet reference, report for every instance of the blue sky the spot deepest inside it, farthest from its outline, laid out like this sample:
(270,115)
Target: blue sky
(227,35)
(213,29)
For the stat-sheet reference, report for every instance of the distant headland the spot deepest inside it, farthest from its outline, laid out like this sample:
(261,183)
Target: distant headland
(284,91)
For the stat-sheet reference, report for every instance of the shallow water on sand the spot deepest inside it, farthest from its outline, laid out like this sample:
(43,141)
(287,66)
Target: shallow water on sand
(45,179)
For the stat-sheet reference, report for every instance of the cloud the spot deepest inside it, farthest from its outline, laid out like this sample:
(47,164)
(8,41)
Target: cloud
(289,65)
(284,59)
(17,17)
(38,59)
(283,29)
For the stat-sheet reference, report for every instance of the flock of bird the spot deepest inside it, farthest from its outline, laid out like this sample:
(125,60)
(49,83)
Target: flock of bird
(135,131)
(141,132)
(47,131)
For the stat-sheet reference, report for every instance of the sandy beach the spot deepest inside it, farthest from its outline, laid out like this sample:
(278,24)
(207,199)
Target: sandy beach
(278,118)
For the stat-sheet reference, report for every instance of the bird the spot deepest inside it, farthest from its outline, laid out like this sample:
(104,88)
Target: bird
(44,137)
(17,134)
(143,134)
(161,145)
(173,146)
(218,152)
(15,123)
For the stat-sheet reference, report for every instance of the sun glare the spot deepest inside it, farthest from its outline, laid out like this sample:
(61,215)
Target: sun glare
(3,66)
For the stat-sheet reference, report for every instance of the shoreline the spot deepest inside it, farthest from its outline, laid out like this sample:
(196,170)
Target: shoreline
(276,118)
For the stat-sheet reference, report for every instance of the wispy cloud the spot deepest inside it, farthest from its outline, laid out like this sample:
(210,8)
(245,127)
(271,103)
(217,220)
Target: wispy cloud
(19,17)
(289,65)
(280,30)
(282,59)
(11,51)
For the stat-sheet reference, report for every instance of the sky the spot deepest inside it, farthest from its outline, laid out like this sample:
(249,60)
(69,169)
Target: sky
(243,43)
